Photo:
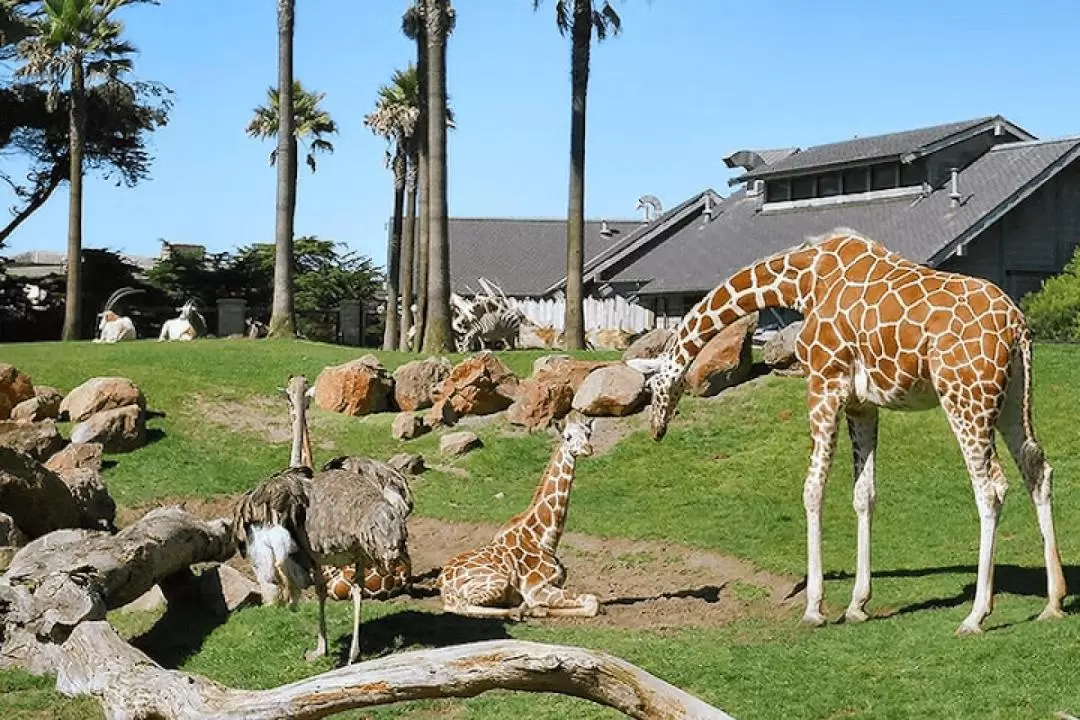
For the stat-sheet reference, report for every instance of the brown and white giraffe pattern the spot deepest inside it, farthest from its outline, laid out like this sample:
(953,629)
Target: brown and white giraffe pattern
(881,331)
(517,573)
(341,582)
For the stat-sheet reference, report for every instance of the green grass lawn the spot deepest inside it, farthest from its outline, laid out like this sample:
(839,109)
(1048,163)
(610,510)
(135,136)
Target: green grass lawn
(727,478)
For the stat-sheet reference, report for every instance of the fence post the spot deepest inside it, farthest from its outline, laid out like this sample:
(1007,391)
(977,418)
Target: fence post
(350,322)
(231,316)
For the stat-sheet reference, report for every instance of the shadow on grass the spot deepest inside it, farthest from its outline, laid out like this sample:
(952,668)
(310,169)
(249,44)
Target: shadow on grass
(706,593)
(193,611)
(391,633)
(1012,579)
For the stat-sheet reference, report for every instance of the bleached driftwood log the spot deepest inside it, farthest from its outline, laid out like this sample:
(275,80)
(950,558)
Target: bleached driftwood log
(54,597)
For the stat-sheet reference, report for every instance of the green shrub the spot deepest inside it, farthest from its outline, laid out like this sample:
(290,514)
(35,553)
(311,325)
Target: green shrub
(1054,311)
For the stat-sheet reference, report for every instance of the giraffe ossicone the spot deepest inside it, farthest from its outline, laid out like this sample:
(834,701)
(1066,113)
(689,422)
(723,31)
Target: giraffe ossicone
(881,331)
(518,574)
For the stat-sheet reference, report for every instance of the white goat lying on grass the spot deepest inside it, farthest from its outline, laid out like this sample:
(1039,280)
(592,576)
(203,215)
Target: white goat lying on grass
(112,327)
(188,326)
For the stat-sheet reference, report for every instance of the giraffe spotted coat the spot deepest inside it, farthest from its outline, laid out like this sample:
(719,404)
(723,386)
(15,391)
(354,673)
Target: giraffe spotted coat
(883,332)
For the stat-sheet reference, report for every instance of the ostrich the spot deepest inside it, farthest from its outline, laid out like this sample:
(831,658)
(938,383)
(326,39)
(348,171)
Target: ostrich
(295,522)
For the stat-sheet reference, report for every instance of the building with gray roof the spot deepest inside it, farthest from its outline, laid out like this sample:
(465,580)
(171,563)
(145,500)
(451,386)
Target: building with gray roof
(982,197)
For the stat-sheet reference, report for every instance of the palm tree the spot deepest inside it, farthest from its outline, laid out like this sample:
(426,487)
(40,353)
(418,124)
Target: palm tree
(394,118)
(414,26)
(76,42)
(311,124)
(579,18)
(283,311)
(438,336)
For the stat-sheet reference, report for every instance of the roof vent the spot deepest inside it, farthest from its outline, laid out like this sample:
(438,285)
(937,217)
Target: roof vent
(999,129)
(755,187)
(709,209)
(954,188)
(605,230)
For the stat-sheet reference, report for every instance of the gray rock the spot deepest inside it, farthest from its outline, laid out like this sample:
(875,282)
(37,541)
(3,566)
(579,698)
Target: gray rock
(613,390)
(649,345)
(38,440)
(407,463)
(408,426)
(119,430)
(779,351)
(459,443)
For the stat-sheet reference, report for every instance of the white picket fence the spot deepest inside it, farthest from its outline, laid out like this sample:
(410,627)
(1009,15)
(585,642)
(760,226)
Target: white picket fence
(613,313)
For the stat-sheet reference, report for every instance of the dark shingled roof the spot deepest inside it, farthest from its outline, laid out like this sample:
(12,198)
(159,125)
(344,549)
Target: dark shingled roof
(699,254)
(523,256)
(891,145)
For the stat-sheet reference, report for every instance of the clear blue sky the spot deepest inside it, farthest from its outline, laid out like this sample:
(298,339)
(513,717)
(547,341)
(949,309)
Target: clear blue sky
(686,83)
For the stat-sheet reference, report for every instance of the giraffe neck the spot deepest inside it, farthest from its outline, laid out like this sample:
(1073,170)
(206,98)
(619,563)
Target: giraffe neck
(546,515)
(781,281)
(300,454)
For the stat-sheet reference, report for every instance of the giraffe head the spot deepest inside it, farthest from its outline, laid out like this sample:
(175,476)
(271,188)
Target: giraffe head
(664,381)
(576,437)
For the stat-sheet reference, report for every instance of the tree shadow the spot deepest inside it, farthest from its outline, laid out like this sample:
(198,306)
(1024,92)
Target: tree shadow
(193,610)
(706,593)
(391,633)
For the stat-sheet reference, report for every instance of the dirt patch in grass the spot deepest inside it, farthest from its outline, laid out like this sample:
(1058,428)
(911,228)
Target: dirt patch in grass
(261,416)
(640,583)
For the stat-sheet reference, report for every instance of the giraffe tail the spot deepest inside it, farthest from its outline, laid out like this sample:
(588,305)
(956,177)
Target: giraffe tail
(1031,453)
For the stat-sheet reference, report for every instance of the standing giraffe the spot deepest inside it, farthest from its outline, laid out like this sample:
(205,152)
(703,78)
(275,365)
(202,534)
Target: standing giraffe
(881,331)
(519,567)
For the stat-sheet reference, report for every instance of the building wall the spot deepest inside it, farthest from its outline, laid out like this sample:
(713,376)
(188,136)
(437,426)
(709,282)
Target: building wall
(1032,242)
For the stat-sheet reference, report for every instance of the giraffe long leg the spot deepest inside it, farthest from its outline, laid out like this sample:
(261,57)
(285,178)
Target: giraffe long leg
(973,426)
(550,601)
(825,399)
(354,647)
(320,591)
(863,429)
(1039,478)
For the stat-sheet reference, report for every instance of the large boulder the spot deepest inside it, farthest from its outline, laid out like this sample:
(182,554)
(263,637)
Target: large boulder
(119,430)
(414,381)
(478,385)
(458,443)
(97,509)
(548,395)
(15,387)
(76,455)
(407,426)
(358,387)
(779,350)
(40,440)
(101,393)
(36,498)
(726,360)
(611,391)
(540,403)
(609,339)
(38,408)
(649,345)
(11,539)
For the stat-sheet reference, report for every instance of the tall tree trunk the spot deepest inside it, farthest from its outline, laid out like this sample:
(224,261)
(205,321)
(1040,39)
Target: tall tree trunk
(423,224)
(393,250)
(282,317)
(438,336)
(408,242)
(574,319)
(77,139)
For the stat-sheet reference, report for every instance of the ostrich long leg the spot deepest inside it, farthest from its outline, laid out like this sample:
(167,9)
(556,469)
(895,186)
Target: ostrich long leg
(320,590)
(354,648)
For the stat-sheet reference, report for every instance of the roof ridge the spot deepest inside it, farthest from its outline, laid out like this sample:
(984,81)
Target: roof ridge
(925,128)
(512,218)
(1037,141)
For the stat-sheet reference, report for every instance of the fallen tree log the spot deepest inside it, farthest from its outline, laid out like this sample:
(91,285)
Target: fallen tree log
(55,594)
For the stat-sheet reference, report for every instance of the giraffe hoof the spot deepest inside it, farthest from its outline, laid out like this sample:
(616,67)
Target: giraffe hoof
(814,619)
(855,615)
(1052,613)
(965,630)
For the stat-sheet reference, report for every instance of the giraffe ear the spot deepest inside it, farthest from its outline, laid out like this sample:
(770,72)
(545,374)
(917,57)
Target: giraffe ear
(645,366)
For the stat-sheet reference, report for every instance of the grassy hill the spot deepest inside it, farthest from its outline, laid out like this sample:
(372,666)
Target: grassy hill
(727,479)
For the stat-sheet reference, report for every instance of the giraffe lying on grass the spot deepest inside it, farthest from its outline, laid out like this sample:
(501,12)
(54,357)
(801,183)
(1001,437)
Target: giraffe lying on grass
(517,574)
(881,331)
